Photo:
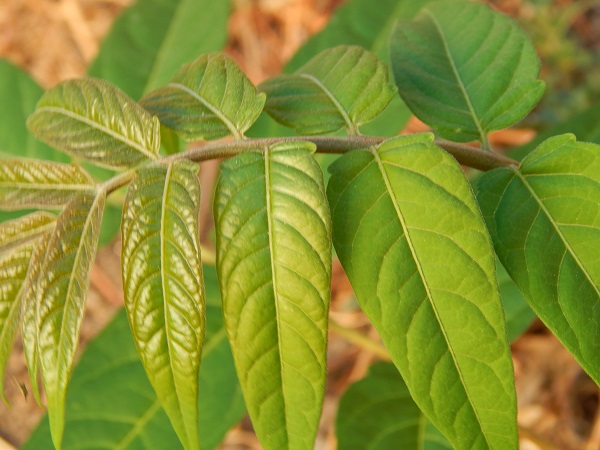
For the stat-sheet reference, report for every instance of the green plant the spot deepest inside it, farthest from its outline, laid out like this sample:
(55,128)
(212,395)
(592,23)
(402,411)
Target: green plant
(402,216)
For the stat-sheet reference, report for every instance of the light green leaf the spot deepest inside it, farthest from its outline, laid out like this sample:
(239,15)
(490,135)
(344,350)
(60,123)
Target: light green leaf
(378,413)
(423,270)
(61,292)
(17,242)
(30,183)
(274,265)
(109,384)
(93,120)
(342,87)
(209,98)
(164,293)
(160,36)
(544,219)
(464,69)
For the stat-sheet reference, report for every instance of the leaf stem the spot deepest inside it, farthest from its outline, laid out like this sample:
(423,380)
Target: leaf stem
(359,339)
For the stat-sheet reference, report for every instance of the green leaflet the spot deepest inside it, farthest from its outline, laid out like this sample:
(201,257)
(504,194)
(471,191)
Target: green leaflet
(164,293)
(410,237)
(61,291)
(112,405)
(93,120)
(544,219)
(274,265)
(378,413)
(209,98)
(342,87)
(30,183)
(465,69)
(17,242)
(151,39)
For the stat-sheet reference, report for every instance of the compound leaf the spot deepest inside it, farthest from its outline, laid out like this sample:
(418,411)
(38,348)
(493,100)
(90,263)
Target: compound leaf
(164,293)
(274,265)
(92,120)
(209,98)
(423,270)
(160,36)
(30,183)
(342,87)
(544,219)
(465,69)
(17,242)
(109,383)
(61,292)
(378,413)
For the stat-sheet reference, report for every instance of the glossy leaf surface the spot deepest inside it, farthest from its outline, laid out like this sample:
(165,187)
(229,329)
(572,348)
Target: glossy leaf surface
(60,296)
(28,183)
(160,36)
(17,242)
(544,219)
(410,237)
(92,120)
(378,413)
(209,98)
(164,293)
(274,264)
(342,87)
(465,69)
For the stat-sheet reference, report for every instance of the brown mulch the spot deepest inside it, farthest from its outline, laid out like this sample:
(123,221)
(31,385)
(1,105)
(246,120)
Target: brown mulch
(56,39)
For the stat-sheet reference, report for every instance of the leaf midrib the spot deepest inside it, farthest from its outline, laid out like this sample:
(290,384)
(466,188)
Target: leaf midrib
(100,127)
(23,239)
(457,76)
(388,186)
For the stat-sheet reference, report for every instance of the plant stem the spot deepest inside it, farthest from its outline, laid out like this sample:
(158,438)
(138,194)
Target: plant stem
(359,339)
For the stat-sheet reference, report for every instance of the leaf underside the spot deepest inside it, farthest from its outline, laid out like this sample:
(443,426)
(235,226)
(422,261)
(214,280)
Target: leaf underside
(274,264)
(544,219)
(92,120)
(342,87)
(378,413)
(60,295)
(410,237)
(164,293)
(465,69)
(209,98)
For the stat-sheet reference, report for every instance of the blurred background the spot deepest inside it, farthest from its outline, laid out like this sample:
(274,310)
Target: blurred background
(54,40)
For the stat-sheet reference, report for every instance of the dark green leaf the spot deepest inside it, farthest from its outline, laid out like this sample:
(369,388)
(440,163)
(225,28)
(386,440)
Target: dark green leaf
(465,69)
(152,39)
(519,315)
(109,384)
(274,263)
(342,87)
(544,219)
(209,98)
(61,292)
(164,292)
(378,413)
(411,239)
(31,183)
(93,120)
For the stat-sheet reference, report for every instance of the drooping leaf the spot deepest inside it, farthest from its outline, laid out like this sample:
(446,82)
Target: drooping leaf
(31,183)
(342,87)
(17,242)
(410,237)
(274,264)
(378,413)
(160,36)
(164,293)
(19,94)
(92,120)
(544,219)
(61,292)
(464,69)
(109,384)
(209,98)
